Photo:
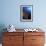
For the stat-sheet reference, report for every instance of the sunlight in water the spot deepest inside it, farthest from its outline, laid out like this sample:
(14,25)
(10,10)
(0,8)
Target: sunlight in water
(29,8)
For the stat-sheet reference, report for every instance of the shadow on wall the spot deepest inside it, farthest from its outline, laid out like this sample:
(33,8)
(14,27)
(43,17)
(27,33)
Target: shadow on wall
(2,26)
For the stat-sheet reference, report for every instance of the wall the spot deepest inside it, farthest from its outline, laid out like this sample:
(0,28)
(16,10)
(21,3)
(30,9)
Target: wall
(10,13)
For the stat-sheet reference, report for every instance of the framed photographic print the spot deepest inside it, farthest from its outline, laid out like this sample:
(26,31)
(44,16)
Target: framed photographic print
(26,13)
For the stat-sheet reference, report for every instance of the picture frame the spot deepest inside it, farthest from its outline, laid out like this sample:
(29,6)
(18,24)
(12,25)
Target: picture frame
(26,13)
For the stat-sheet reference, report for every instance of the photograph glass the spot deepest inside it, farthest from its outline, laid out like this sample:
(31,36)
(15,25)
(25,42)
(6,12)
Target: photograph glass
(26,12)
